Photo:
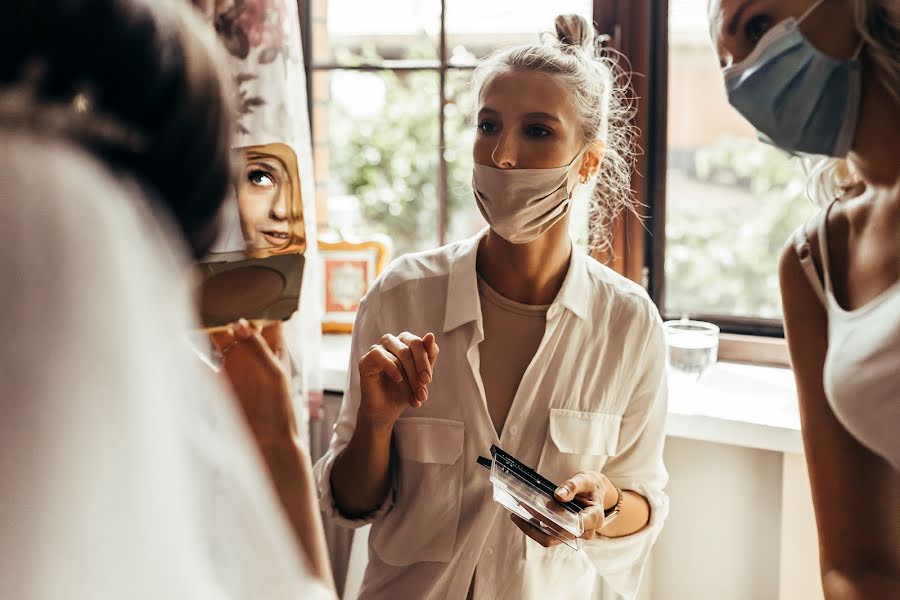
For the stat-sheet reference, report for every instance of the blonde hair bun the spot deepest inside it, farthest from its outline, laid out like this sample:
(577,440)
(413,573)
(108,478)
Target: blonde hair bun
(574,31)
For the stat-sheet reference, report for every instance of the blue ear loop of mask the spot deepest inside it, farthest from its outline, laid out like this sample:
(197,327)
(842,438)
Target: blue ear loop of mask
(798,98)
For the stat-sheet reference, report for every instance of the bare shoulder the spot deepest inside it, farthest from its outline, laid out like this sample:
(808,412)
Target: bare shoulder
(840,217)
(792,277)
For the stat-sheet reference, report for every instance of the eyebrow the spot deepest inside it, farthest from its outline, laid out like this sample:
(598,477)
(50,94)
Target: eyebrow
(542,115)
(736,17)
(531,115)
(272,162)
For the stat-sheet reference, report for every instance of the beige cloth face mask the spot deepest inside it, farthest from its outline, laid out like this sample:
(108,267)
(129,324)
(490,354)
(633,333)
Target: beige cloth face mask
(521,204)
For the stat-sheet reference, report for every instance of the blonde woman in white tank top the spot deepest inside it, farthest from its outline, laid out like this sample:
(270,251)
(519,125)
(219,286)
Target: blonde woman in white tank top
(823,77)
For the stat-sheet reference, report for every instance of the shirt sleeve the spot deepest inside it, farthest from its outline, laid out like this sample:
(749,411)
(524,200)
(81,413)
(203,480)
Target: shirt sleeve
(366,332)
(639,467)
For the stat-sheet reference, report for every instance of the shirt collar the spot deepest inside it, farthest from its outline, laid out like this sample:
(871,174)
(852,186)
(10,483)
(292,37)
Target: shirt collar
(574,293)
(463,305)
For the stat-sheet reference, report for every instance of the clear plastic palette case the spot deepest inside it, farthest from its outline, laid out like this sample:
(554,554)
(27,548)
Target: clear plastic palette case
(524,492)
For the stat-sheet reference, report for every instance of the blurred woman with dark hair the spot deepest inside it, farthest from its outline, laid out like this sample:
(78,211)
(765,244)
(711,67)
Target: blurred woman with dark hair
(125,470)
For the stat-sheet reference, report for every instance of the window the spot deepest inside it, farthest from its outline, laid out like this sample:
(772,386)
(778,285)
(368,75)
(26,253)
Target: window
(390,89)
(719,205)
(392,129)
(731,201)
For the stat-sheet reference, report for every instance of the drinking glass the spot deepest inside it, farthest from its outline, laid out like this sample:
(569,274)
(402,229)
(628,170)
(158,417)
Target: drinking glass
(692,348)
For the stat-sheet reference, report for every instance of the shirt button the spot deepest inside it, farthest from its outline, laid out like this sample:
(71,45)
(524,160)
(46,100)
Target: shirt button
(514,430)
(489,551)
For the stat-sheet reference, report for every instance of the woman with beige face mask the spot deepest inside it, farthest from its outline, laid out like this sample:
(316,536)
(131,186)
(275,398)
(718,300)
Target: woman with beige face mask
(543,352)
(822,77)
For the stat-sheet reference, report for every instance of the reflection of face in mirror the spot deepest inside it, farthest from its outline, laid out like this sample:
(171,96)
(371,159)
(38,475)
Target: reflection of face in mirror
(264,213)
(263,196)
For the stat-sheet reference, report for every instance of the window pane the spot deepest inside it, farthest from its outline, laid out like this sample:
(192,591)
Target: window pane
(348,32)
(731,201)
(476,28)
(464,219)
(380,172)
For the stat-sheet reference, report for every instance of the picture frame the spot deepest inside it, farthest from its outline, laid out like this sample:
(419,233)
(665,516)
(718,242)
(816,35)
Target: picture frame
(348,271)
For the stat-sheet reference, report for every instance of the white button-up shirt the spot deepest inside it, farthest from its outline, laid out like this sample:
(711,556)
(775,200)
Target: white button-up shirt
(593,398)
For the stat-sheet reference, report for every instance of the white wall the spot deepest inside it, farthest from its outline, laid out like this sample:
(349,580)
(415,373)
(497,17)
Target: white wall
(723,536)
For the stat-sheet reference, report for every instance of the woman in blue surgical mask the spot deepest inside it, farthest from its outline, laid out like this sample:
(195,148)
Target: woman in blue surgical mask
(823,77)
(544,352)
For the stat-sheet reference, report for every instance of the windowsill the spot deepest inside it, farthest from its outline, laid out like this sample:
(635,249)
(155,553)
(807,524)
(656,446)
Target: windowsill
(740,405)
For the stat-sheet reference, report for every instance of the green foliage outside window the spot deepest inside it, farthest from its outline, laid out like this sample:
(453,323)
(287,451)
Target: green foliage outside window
(729,264)
(389,161)
(724,262)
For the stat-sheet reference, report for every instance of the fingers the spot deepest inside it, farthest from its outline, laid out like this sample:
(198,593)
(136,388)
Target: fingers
(555,508)
(592,519)
(272,334)
(579,484)
(222,339)
(250,338)
(377,361)
(559,532)
(589,488)
(431,348)
(419,354)
(411,373)
(545,540)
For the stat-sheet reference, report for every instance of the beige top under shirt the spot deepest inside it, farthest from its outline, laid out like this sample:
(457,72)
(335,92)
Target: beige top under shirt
(512,334)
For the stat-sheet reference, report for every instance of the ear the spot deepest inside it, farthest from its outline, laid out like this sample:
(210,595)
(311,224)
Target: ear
(590,164)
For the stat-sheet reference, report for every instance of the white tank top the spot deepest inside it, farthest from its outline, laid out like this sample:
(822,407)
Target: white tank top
(862,366)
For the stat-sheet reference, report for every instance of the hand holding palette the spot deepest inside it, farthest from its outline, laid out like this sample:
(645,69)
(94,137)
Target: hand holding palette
(524,492)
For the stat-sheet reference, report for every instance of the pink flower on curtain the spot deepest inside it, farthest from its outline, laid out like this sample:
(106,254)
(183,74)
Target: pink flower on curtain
(263,21)
(245,25)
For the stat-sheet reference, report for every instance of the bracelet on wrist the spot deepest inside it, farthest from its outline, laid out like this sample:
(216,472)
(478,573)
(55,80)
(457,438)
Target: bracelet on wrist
(610,514)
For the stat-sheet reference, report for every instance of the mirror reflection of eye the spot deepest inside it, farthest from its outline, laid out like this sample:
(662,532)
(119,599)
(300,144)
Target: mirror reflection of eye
(260,178)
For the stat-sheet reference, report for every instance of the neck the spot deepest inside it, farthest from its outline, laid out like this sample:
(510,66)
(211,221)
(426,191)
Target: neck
(876,155)
(531,273)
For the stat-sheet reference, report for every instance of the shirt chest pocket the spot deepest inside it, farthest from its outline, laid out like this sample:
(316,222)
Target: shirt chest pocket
(578,441)
(422,524)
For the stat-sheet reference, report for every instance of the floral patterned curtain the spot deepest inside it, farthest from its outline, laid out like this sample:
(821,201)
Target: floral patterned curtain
(266,58)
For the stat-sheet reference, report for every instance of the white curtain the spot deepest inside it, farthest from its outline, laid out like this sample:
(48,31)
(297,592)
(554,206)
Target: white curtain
(266,59)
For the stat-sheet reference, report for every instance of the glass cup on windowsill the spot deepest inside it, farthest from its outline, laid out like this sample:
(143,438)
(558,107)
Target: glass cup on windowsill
(692,348)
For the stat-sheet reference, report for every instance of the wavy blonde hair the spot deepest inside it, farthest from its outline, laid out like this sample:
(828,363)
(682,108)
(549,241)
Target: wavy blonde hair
(878,24)
(601,93)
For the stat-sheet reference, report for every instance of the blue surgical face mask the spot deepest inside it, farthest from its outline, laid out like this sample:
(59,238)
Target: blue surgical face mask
(796,96)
